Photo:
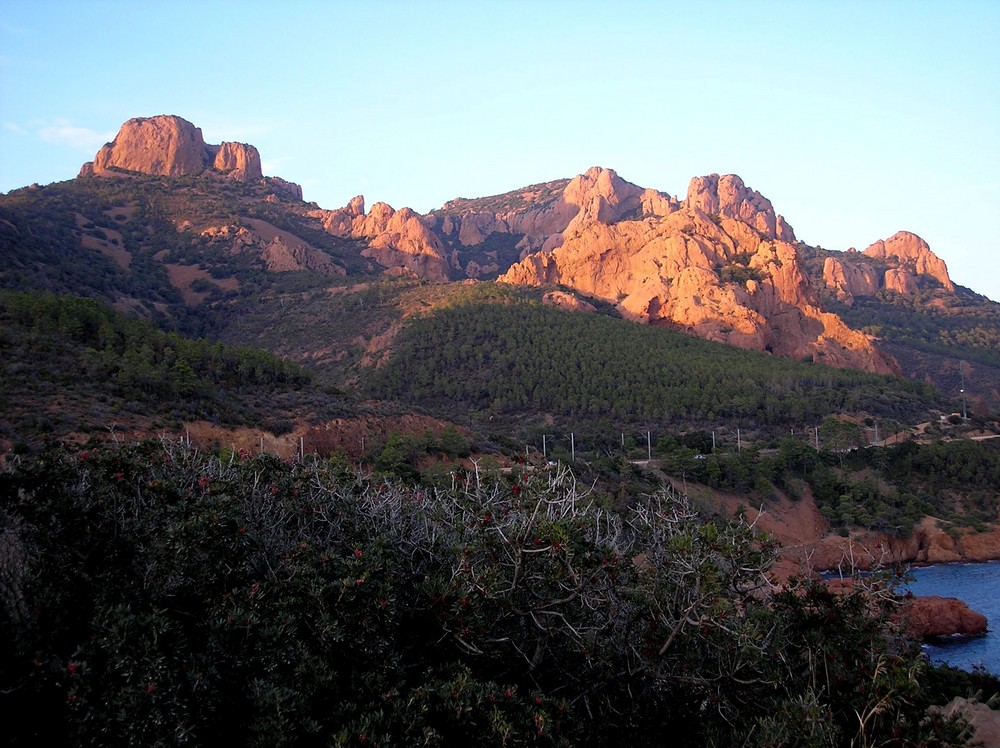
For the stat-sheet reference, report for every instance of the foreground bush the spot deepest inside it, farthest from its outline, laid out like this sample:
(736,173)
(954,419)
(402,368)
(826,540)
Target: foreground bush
(155,595)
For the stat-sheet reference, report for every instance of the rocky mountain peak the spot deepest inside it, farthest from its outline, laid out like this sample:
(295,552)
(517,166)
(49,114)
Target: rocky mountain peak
(728,196)
(911,252)
(900,263)
(168,145)
(720,265)
(601,195)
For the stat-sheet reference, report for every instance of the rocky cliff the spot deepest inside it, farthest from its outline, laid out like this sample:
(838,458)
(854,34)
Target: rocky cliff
(903,263)
(538,217)
(168,145)
(721,265)
(399,240)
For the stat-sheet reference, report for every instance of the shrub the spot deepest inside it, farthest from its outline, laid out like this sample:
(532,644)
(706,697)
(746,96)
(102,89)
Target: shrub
(157,595)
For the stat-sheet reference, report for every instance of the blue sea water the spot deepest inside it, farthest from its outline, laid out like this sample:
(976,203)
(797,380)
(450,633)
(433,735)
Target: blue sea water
(979,586)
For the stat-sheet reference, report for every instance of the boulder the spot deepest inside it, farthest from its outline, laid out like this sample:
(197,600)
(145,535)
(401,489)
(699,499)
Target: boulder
(930,617)
(239,160)
(983,720)
(164,145)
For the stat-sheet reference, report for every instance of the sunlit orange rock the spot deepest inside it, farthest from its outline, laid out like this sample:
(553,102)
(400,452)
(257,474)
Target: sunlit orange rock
(167,145)
(721,265)
(913,252)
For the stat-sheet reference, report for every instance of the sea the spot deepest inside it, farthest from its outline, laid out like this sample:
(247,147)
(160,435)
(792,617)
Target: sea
(978,585)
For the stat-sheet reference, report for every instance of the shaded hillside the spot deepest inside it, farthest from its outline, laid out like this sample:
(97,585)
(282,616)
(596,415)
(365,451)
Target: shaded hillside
(75,366)
(340,330)
(163,245)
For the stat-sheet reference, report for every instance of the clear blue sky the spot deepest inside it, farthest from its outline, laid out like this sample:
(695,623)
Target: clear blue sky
(857,119)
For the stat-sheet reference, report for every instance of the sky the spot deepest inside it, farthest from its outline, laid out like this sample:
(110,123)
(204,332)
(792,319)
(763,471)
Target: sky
(856,119)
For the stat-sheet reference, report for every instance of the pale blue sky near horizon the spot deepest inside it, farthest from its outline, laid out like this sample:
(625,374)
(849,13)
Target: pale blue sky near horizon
(856,119)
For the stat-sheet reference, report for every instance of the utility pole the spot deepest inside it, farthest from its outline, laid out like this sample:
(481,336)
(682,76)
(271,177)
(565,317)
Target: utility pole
(961,371)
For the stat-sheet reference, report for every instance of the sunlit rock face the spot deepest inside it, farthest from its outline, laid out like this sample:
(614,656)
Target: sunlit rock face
(399,240)
(721,264)
(901,264)
(167,145)
(912,252)
(239,160)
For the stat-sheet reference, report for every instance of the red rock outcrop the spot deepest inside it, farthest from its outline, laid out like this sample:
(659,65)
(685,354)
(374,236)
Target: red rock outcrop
(729,196)
(163,145)
(168,145)
(280,250)
(399,240)
(912,251)
(930,617)
(850,279)
(282,187)
(567,301)
(901,262)
(900,280)
(717,266)
(239,160)
(545,214)
(927,544)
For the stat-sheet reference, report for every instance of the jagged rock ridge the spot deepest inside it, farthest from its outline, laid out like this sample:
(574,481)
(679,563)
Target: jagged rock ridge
(397,239)
(721,264)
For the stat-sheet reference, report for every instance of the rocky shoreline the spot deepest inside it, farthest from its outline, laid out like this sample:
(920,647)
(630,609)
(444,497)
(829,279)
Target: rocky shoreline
(808,547)
(930,617)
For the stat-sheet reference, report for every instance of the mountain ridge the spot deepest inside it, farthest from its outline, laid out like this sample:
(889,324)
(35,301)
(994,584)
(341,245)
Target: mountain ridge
(721,263)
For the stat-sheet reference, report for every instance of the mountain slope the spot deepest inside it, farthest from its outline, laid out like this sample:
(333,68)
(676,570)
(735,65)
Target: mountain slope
(189,234)
(512,355)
